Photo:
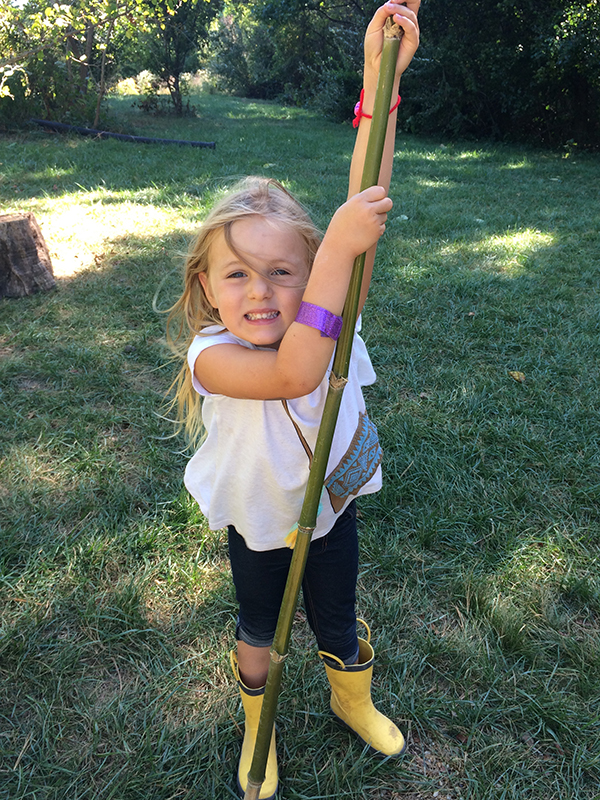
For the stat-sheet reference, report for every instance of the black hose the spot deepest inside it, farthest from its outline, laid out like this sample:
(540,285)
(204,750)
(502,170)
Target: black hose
(124,137)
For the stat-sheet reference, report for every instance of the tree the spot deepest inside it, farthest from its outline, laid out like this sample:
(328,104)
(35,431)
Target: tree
(57,57)
(525,70)
(299,51)
(575,66)
(486,68)
(176,33)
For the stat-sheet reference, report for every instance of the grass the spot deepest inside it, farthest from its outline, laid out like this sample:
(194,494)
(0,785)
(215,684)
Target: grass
(479,558)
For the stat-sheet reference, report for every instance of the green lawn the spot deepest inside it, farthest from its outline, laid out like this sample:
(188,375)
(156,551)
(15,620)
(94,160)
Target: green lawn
(480,574)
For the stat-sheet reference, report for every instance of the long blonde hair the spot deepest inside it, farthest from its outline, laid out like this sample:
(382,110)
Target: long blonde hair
(193,312)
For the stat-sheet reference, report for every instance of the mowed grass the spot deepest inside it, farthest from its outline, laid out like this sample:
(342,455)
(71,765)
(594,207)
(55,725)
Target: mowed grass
(479,558)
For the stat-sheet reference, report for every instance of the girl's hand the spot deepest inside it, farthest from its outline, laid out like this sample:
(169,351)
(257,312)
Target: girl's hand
(406,16)
(359,222)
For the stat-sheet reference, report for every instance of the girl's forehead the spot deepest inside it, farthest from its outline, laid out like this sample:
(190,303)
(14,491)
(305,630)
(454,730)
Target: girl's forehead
(258,237)
(269,227)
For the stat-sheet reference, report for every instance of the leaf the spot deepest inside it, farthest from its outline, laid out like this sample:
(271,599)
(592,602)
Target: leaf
(517,376)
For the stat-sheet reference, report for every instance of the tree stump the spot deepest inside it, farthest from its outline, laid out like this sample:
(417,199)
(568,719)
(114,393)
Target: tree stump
(25,265)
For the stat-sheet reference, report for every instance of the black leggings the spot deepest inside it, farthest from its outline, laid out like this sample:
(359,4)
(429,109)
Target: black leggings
(328,588)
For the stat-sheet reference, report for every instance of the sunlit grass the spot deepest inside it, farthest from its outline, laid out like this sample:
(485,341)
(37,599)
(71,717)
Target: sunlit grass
(528,241)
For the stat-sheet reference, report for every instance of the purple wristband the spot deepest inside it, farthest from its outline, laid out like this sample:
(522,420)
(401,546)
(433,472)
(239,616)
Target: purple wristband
(319,318)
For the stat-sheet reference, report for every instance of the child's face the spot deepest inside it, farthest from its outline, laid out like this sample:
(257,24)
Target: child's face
(257,299)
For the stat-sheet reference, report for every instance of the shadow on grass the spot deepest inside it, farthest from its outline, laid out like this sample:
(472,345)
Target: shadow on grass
(106,699)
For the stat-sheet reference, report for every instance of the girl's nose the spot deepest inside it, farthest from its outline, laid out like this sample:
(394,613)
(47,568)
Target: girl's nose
(259,287)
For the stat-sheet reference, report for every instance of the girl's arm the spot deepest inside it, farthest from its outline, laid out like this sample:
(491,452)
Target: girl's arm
(297,367)
(406,16)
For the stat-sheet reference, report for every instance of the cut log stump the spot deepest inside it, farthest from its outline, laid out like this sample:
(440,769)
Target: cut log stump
(25,265)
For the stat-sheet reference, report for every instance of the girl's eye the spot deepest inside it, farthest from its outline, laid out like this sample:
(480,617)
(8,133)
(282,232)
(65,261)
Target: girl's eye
(237,274)
(280,272)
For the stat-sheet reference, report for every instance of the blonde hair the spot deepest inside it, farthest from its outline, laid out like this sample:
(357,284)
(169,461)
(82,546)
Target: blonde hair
(193,312)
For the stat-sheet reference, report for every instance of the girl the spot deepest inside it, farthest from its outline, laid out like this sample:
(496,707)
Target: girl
(259,317)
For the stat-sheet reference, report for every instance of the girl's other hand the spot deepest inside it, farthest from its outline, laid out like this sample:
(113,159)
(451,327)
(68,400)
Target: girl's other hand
(359,222)
(406,16)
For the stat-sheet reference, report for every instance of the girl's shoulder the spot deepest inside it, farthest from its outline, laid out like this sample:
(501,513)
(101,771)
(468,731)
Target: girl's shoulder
(209,337)
(215,334)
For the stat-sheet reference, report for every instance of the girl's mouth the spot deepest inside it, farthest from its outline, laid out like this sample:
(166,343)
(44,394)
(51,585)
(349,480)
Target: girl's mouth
(255,316)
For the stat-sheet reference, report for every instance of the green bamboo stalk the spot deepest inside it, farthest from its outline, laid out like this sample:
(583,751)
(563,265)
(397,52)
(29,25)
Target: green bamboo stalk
(338,379)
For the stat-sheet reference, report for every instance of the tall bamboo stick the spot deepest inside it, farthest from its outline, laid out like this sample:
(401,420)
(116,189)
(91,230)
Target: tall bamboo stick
(338,379)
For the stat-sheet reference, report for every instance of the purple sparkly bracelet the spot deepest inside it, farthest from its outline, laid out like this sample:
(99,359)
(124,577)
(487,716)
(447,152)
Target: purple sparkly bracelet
(319,318)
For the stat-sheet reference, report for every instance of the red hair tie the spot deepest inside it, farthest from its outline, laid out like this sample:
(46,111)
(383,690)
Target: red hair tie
(358,112)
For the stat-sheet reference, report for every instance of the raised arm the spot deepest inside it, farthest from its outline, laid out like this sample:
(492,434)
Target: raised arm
(406,16)
(298,365)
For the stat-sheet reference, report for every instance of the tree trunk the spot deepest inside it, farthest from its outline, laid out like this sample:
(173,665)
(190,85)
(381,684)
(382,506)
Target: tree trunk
(25,266)
(102,86)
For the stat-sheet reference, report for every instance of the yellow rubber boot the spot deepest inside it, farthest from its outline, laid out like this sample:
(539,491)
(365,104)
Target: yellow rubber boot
(351,701)
(252,700)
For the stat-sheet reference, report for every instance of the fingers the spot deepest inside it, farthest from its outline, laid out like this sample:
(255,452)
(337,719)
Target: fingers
(378,197)
(360,221)
(378,205)
(403,13)
(406,17)
(373,193)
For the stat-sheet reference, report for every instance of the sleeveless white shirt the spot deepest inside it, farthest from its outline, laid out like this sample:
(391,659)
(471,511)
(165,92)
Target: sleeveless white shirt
(252,469)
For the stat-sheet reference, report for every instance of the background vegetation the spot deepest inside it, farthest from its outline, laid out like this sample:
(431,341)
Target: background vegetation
(479,558)
(498,69)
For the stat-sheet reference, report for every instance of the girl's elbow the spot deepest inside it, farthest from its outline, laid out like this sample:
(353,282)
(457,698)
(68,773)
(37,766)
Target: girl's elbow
(299,386)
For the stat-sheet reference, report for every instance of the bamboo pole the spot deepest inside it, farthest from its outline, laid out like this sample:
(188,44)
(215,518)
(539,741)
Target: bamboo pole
(338,379)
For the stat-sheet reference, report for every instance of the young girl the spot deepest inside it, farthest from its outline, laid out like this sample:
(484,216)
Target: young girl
(259,317)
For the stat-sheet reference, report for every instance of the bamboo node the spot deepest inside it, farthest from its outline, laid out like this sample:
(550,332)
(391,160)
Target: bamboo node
(278,658)
(337,382)
(252,790)
(392,30)
(306,531)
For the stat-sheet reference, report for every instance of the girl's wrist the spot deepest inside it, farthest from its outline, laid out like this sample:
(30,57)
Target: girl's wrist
(359,109)
(336,249)
(370,89)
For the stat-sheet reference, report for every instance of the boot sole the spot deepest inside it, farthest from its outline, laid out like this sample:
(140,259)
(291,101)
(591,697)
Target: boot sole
(372,750)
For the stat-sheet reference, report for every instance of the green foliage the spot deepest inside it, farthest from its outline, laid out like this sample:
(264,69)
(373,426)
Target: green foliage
(13,95)
(578,40)
(337,91)
(298,52)
(241,50)
(173,40)
(525,70)
(65,50)
(48,45)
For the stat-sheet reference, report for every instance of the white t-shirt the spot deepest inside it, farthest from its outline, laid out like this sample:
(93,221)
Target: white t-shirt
(252,469)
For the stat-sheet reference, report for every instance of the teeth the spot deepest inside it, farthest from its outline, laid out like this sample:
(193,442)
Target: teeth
(264,315)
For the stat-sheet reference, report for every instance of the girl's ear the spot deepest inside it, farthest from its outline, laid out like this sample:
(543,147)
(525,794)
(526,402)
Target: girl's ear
(204,282)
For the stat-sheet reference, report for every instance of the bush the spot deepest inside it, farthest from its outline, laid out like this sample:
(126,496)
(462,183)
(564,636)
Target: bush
(337,94)
(15,105)
(523,72)
(242,58)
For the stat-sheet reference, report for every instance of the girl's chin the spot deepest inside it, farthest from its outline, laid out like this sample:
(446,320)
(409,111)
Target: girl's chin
(267,331)
(264,341)
(260,335)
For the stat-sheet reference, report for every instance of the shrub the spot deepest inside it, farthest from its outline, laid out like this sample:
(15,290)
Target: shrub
(15,105)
